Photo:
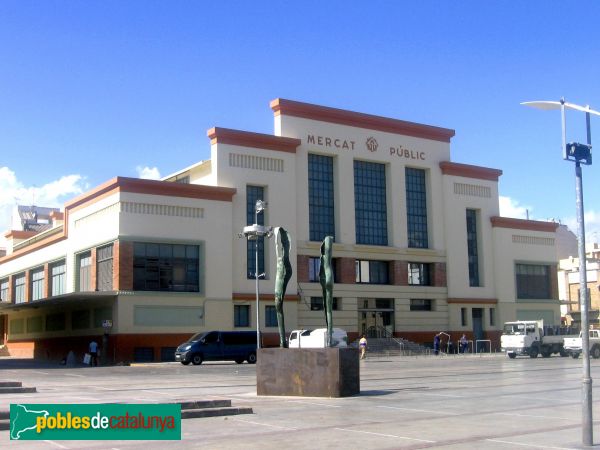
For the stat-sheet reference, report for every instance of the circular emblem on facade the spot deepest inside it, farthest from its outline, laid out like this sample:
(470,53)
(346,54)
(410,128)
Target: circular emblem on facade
(372,144)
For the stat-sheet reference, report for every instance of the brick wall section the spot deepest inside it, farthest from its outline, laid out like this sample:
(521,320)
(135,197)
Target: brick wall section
(439,274)
(123,265)
(47,281)
(399,273)
(347,270)
(11,290)
(93,271)
(302,268)
(27,286)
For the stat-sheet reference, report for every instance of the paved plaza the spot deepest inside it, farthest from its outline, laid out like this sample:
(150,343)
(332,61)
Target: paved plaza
(449,402)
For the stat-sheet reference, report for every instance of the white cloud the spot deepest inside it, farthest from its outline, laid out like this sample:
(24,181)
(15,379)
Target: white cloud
(52,194)
(148,173)
(510,207)
(592,226)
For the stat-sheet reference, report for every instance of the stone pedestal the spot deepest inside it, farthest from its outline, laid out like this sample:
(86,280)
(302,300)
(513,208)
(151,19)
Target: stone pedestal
(308,372)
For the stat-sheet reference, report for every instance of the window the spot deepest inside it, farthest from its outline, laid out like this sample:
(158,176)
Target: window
(463,317)
(58,272)
(472,250)
(416,208)
(4,290)
(165,267)
(370,203)
(19,288)
(254,193)
(317,304)
(419,274)
(84,265)
(270,316)
(37,283)
(533,281)
(421,304)
(104,269)
(492,317)
(372,272)
(55,322)
(321,211)
(241,315)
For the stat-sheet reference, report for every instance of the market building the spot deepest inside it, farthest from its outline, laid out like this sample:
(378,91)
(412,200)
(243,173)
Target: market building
(419,244)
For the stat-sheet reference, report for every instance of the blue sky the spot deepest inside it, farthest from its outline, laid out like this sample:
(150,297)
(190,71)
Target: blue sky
(91,90)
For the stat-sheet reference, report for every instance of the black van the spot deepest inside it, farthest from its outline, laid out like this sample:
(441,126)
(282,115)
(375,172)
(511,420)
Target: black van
(218,346)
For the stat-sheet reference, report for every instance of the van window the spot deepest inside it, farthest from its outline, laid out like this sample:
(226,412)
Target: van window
(239,338)
(211,338)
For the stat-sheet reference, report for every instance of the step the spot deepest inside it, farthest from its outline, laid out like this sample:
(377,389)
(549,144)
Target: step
(214,412)
(10,384)
(17,390)
(205,404)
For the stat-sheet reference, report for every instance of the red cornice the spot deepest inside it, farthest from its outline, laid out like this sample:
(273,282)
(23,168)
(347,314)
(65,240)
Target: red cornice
(472,301)
(154,187)
(469,171)
(522,224)
(19,234)
(253,140)
(360,120)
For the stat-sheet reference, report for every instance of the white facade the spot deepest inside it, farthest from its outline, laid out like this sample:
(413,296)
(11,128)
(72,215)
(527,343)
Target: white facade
(211,209)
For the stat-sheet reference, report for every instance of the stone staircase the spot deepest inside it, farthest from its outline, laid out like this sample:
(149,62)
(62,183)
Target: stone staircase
(189,410)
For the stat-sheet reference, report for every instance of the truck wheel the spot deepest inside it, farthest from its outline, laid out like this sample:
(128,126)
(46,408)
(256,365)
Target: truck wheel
(563,352)
(533,353)
(252,358)
(197,359)
(574,355)
(512,355)
(595,352)
(546,354)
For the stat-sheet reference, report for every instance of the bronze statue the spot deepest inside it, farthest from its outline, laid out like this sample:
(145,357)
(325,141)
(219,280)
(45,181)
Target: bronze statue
(326,280)
(284,273)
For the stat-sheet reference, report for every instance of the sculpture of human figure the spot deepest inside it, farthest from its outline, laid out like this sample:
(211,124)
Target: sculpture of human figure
(326,280)
(282,277)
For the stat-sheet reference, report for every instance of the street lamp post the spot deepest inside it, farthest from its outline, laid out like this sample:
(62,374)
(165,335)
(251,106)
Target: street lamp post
(579,154)
(253,233)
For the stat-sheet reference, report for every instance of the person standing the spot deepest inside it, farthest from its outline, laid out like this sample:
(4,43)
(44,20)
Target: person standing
(463,343)
(93,348)
(436,344)
(363,346)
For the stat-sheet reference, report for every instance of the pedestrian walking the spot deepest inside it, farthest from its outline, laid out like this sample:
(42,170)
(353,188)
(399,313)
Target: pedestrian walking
(436,344)
(363,346)
(93,348)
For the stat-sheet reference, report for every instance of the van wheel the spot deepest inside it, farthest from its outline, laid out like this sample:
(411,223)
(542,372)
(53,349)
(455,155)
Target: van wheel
(197,360)
(595,352)
(252,358)
(239,361)
(185,363)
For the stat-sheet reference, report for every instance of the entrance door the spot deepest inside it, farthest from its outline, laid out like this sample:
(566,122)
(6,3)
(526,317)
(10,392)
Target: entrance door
(477,316)
(376,318)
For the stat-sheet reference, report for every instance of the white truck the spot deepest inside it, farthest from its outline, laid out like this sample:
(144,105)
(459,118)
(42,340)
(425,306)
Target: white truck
(574,345)
(317,338)
(530,337)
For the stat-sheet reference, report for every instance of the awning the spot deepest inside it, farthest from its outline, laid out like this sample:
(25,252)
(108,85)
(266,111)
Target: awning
(71,299)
